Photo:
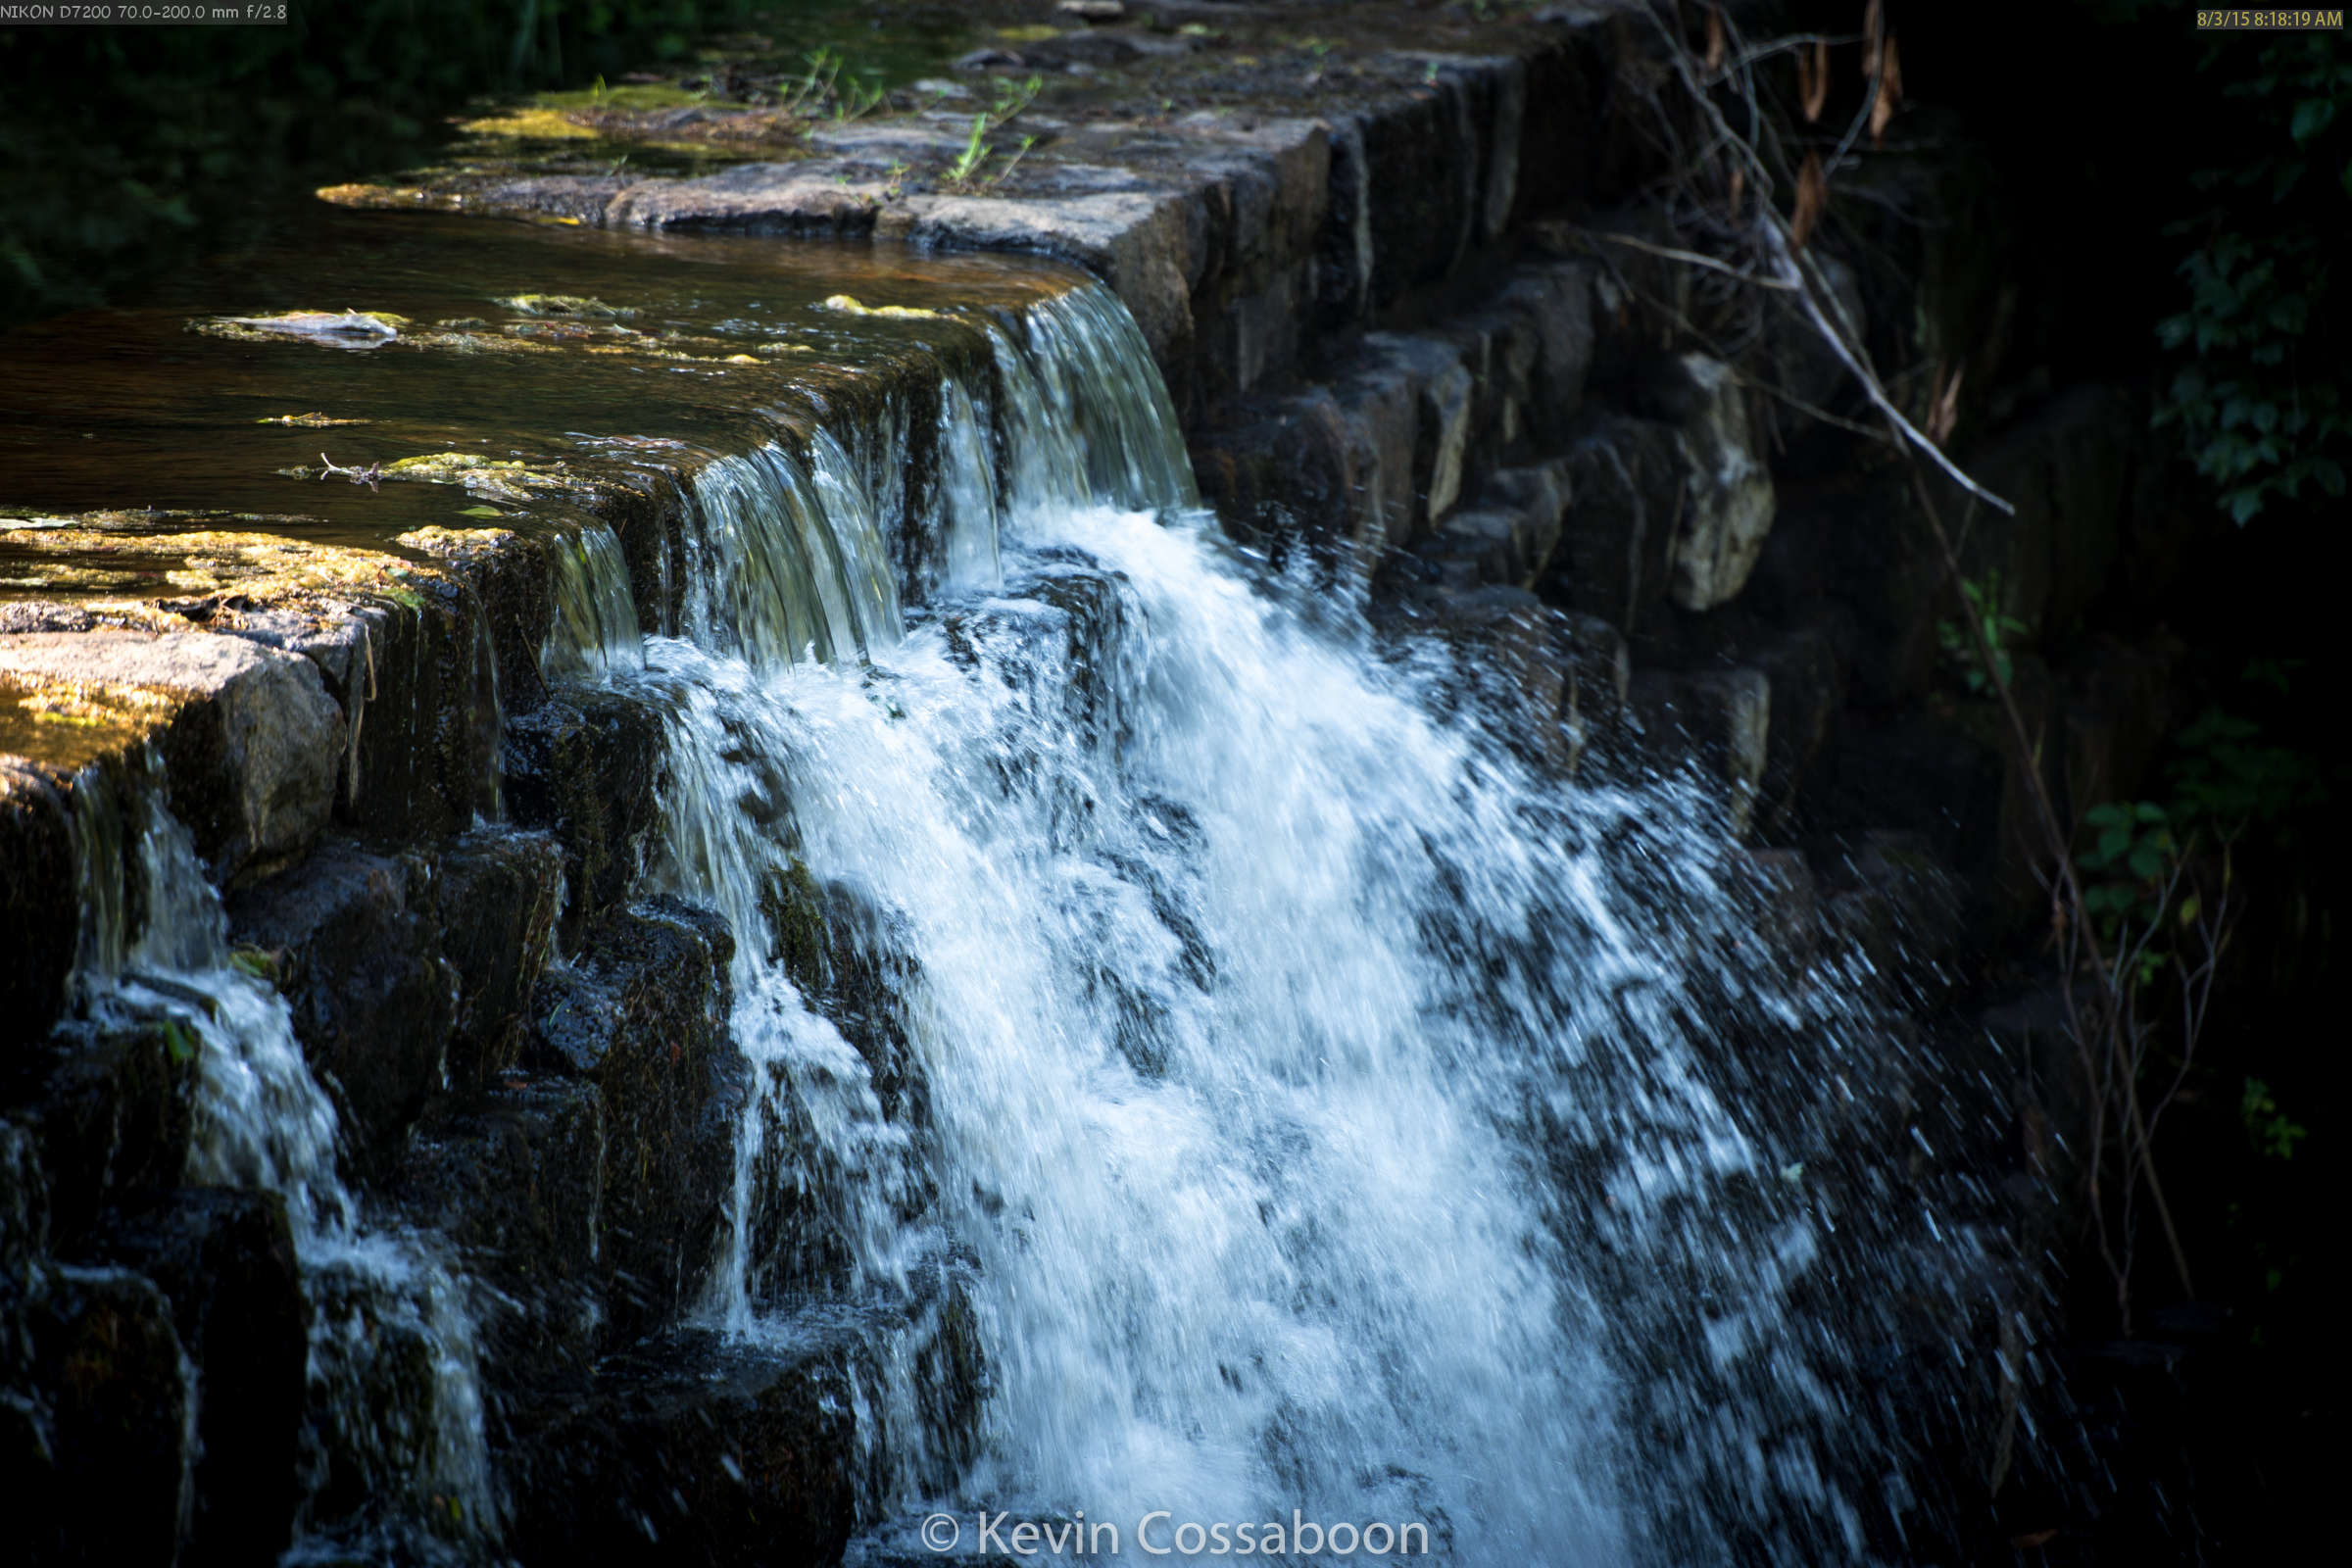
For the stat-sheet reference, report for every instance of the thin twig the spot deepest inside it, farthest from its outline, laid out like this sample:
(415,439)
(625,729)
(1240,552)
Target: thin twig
(1691,257)
(1870,101)
(1837,420)
(2116,1017)
(1782,46)
(1784,258)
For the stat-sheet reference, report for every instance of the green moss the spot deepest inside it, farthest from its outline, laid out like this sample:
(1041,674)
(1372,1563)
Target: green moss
(124,564)
(628,96)
(73,726)
(572,304)
(531,124)
(793,904)
(851,304)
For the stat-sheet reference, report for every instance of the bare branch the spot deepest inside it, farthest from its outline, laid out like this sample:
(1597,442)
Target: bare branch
(1690,258)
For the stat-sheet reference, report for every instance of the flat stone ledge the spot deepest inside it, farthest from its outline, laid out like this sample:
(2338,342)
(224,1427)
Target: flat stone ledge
(247,733)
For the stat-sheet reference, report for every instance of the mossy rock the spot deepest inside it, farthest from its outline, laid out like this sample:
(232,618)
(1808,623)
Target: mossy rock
(343,329)
(571,305)
(850,303)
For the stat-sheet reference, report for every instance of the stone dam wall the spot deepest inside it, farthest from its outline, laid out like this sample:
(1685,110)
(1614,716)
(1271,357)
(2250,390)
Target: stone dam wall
(1406,359)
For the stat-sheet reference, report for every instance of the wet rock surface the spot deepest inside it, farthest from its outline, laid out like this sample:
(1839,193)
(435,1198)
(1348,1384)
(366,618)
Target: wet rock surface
(96,1434)
(583,767)
(690,1450)
(499,895)
(223,1257)
(353,939)
(108,1105)
(641,1012)
(37,880)
(251,736)
(513,1181)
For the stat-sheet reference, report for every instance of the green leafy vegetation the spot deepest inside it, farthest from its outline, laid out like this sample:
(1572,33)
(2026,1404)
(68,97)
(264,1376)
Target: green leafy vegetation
(2000,631)
(2230,781)
(1011,97)
(2259,394)
(2274,1134)
(970,172)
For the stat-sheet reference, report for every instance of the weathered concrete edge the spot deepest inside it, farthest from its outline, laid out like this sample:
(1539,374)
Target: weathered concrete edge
(1238,242)
(358,711)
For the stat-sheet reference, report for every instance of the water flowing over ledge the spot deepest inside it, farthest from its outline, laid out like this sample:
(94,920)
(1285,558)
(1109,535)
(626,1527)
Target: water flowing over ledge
(1185,1047)
(1317,1106)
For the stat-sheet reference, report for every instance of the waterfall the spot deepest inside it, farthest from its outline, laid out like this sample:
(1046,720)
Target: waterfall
(593,630)
(382,1308)
(1175,1007)
(1329,1119)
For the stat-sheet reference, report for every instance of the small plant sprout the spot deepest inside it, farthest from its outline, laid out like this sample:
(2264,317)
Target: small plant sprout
(966,174)
(1013,162)
(817,85)
(2273,1133)
(975,152)
(1011,98)
(2001,630)
(857,100)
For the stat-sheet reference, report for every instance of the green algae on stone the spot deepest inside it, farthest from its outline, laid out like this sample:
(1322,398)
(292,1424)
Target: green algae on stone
(851,304)
(564,305)
(498,478)
(504,479)
(528,124)
(128,568)
(477,343)
(70,725)
(629,96)
(435,540)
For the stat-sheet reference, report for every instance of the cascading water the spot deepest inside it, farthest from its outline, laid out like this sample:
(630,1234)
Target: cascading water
(1202,1070)
(1326,1117)
(383,1311)
(594,627)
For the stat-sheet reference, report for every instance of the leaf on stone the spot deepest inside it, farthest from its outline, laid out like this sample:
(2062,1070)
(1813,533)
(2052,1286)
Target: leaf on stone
(1716,45)
(1890,94)
(481,512)
(1812,196)
(1813,81)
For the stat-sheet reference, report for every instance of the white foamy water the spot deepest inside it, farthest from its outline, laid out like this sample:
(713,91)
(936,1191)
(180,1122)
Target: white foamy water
(262,1120)
(1316,1103)
(1322,1114)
